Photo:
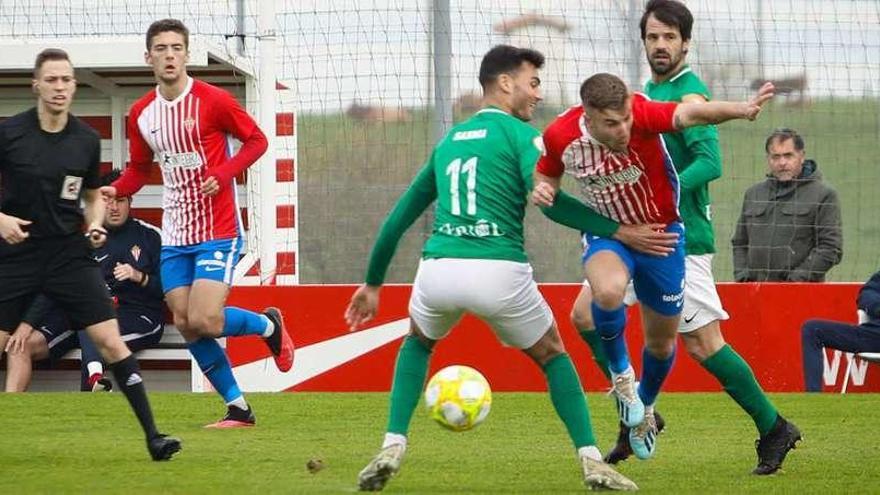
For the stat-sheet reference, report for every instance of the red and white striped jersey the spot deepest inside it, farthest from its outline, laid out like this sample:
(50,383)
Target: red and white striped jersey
(189,137)
(637,186)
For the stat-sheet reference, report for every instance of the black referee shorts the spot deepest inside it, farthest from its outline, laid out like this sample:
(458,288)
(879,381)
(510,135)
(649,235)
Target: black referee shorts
(64,270)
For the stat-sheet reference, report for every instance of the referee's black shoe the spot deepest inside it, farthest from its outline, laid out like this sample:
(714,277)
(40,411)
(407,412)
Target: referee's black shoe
(622,449)
(162,447)
(774,446)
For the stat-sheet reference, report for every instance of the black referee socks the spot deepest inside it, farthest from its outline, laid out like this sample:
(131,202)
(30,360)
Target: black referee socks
(128,377)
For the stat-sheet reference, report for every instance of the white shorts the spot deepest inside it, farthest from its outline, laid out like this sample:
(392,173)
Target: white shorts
(501,293)
(701,302)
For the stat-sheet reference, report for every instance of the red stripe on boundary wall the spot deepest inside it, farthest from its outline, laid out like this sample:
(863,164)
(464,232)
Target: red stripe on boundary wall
(284,216)
(285,124)
(285,170)
(285,263)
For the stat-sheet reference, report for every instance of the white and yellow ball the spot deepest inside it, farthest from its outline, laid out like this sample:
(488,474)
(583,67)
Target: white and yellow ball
(458,397)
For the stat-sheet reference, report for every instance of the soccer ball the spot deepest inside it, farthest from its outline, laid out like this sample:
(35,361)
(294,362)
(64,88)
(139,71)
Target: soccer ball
(458,397)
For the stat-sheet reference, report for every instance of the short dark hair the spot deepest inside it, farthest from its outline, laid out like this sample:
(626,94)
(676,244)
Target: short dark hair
(783,134)
(603,91)
(506,59)
(164,25)
(47,55)
(671,13)
(110,177)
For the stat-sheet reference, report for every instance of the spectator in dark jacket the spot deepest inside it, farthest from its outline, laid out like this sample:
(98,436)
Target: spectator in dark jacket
(789,229)
(864,337)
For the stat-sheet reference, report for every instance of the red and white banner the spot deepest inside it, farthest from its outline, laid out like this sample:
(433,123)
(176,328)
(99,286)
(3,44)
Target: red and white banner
(764,328)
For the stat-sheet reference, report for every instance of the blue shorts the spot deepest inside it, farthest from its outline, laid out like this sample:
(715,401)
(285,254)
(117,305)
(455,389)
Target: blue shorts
(212,260)
(658,280)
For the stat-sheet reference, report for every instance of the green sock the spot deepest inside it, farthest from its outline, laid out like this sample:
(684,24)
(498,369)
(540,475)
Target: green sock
(592,338)
(739,382)
(409,379)
(569,400)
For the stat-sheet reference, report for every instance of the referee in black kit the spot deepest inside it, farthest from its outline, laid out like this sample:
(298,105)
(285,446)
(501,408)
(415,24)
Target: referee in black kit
(48,164)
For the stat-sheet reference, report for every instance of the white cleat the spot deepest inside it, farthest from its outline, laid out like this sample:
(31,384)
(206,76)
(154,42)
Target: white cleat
(601,476)
(630,409)
(385,465)
(643,437)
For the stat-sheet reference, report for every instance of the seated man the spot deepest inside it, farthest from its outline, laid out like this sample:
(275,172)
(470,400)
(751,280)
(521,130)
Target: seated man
(130,263)
(864,337)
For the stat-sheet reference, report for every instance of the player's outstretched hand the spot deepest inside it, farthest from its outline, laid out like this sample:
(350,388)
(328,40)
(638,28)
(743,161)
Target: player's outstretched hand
(210,186)
(18,339)
(11,229)
(543,194)
(362,307)
(754,105)
(648,238)
(107,192)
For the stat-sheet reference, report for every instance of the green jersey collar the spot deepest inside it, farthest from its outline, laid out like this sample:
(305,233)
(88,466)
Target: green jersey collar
(491,109)
(684,70)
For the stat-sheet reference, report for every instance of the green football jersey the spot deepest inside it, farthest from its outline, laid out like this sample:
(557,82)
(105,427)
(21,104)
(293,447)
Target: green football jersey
(482,172)
(479,174)
(697,157)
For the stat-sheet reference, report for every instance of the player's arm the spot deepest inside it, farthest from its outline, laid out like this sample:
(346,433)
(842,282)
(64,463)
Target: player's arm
(715,112)
(420,194)
(567,210)
(94,212)
(234,120)
(95,206)
(828,249)
(542,171)
(702,144)
(740,242)
(11,228)
(564,209)
(545,189)
(137,173)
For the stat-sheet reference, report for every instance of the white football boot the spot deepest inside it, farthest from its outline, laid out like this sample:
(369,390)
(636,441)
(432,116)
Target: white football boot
(385,465)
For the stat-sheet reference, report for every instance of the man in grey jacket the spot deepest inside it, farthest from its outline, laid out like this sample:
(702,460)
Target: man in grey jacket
(789,229)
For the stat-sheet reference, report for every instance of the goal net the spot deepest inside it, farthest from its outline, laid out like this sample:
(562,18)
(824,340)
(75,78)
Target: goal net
(370,83)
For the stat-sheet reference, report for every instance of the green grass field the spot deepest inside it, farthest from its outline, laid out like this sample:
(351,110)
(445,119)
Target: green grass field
(80,443)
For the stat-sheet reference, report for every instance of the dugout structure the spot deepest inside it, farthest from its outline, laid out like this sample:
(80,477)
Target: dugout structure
(111,74)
